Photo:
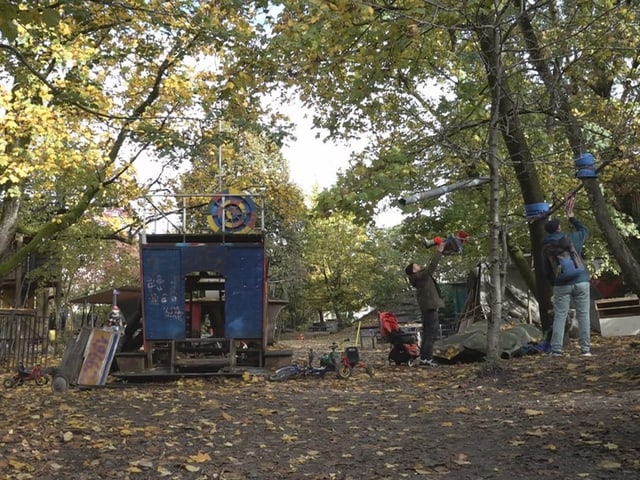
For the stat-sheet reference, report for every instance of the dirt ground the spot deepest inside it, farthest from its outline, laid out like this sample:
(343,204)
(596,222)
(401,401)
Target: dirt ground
(533,417)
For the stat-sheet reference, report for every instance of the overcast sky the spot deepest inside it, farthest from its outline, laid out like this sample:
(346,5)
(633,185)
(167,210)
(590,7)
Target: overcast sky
(311,161)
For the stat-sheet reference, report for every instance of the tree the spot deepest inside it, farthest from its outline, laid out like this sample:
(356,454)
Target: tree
(342,266)
(418,79)
(91,94)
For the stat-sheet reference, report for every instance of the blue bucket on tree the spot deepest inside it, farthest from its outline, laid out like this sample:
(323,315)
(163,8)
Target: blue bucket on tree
(585,165)
(536,210)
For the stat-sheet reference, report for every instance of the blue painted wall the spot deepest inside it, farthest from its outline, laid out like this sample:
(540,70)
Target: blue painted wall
(163,272)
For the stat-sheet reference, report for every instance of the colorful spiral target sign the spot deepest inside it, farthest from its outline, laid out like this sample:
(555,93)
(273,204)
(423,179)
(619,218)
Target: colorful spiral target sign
(232,212)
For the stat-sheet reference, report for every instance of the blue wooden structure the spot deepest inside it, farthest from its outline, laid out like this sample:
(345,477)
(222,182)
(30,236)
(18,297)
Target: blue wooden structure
(204,301)
(204,295)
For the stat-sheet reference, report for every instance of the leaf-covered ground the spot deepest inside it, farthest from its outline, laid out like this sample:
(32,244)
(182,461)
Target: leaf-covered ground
(534,417)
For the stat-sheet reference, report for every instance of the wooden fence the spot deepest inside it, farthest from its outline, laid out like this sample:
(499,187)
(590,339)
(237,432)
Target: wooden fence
(24,338)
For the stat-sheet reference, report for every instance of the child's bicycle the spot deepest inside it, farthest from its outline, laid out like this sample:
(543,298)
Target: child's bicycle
(349,360)
(328,363)
(24,374)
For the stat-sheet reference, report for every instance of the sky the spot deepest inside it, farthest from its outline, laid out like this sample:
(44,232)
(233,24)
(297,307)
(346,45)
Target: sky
(312,162)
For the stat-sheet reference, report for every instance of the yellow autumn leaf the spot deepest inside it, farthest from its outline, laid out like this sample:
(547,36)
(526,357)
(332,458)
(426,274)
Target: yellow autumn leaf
(551,447)
(227,417)
(610,465)
(334,409)
(426,408)
(447,424)
(266,411)
(201,457)
(191,468)
(610,446)
(289,438)
(163,472)
(17,465)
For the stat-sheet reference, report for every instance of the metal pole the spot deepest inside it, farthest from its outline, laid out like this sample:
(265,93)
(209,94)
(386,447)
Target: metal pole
(436,192)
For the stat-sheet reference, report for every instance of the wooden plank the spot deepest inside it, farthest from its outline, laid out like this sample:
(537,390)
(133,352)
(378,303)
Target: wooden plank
(101,349)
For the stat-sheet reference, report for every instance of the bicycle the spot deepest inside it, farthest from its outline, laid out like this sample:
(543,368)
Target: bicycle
(328,363)
(24,374)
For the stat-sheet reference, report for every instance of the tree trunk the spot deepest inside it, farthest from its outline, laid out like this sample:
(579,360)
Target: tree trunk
(524,166)
(493,63)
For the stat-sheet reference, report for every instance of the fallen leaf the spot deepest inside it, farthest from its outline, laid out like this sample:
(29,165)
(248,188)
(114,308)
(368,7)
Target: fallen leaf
(289,438)
(201,457)
(533,413)
(461,459)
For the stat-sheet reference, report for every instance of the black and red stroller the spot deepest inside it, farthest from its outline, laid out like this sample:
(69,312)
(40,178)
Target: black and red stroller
(404,348)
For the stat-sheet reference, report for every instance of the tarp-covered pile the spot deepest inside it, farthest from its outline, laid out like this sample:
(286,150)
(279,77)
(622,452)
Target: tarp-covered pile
(519,330)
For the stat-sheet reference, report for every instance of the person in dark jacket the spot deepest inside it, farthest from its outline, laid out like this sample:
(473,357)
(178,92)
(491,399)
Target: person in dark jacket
(429,301)
(576,289)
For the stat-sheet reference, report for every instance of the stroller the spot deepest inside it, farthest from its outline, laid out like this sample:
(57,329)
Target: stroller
(404,348)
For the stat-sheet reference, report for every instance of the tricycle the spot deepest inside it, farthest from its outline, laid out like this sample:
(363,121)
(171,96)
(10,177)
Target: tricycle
(24,374)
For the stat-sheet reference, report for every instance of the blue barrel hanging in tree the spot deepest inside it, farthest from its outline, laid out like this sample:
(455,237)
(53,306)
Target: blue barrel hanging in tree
(536,210)
(585,165)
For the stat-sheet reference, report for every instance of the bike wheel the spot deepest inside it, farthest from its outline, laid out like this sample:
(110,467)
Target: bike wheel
(285,373)
(344,371)
(9,383)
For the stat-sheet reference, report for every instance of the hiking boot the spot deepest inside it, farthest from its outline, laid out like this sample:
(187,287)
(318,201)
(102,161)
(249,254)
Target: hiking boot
(556,354)
(428,362)
(586,354)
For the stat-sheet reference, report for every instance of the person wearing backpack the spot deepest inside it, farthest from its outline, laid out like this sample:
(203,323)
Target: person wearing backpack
(566,271)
